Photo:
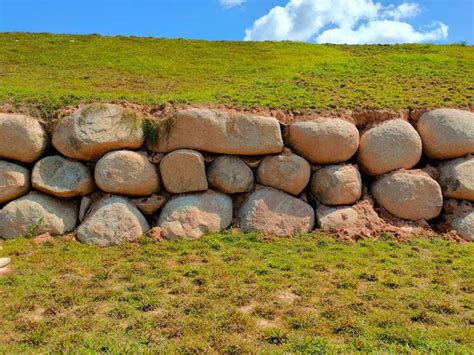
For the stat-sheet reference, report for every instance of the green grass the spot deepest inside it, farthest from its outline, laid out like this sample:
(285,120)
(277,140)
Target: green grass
(233,293)
(51,71)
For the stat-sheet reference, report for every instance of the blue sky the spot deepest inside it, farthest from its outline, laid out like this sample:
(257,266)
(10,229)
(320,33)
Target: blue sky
(334,21)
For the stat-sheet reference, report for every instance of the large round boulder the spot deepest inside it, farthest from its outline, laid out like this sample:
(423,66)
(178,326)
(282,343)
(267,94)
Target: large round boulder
(456,178)
(324,140)
(287,172)
(270,211)
(389,146)
(184,171)
(35,214)
(216,131)
(14,181)
(192,216)
(112,221)
(22,138)
(230,175)
(447,133)
(337,184)
(96,129)
(128,173)
(62,177)
(409,194)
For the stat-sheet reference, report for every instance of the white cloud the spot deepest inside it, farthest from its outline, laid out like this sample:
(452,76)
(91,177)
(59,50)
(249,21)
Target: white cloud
(343,21)
(227,4)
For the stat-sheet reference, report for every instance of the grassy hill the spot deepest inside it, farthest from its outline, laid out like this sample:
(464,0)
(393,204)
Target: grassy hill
(51,71)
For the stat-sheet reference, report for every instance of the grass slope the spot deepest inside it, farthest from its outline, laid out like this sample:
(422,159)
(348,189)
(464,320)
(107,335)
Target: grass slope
(56,70)
(234,293)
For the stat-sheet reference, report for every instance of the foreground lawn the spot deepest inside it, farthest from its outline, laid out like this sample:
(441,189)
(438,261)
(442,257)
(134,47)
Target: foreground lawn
(234,293)
(51,71)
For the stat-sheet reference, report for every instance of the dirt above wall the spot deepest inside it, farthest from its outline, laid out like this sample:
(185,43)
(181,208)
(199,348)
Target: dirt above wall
(362,118)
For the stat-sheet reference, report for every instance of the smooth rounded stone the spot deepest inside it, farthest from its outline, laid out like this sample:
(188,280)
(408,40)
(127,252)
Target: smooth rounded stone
(112,221)
(35,214)
(216,131)
(447,133)
(96,129)
(324,140)
(287,172)
(331,219)
(230,175)
(22,138)
(128,173)
(270,211)
(409,194)
(62,177)
(14,181)
(389,146)
(184,171)
(337,184)
(192,216)
(456,178)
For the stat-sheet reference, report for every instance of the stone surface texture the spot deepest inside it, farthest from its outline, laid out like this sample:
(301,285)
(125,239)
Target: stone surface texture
(456,178)
(230,175)
(191,216)
(14,181)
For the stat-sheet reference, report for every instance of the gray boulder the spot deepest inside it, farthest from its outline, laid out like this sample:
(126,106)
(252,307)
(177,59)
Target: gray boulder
(36,214)
(112,221)
(456,178)
(192,216)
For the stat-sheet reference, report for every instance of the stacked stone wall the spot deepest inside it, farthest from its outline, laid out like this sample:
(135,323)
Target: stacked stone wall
(109,175)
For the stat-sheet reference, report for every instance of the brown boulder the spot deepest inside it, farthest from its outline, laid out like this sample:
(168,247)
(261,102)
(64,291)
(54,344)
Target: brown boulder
(287,172)
(14,181)
(230,175)
(96,129)
(337,184)
(128,173)
(391,145)
(456,178)
(183,171)
(447,133)
(218,132)
(409,194)
(271,211)
(22,138)
(62,177)
(151,204)
(324,140)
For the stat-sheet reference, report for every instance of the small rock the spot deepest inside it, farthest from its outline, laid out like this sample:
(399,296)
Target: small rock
(230,175)
(42,239)
(324,140)
(192,216)
(447,133)
(62,177)
(4,262)
(86,203)
(155,234)
(22,138)
(14,181)
(128,173)
(252,161)
(96,129)
(271,211)
(184,171)
(149,205)
(287,172)
(337,184)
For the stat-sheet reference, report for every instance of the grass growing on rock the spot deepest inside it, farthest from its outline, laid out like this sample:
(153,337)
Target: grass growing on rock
(233,293)
(51,71)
